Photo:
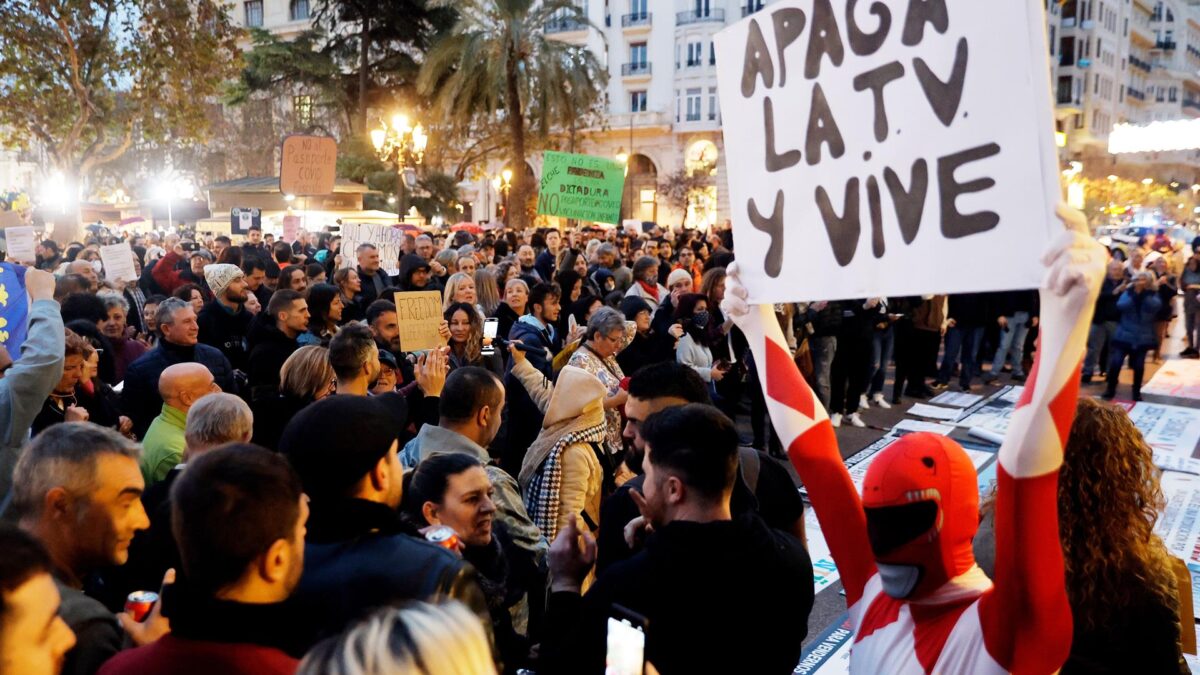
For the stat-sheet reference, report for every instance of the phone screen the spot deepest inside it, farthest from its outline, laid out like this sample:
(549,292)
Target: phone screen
(490,326)
(626,647)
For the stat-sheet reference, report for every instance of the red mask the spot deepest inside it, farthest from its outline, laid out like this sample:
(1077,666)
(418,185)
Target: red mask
(921,498)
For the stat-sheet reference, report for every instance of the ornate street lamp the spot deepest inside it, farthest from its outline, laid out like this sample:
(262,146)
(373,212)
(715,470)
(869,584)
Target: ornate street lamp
(502,184)
(403,144)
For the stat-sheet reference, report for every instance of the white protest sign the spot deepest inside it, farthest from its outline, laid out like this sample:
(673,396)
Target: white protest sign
(118,262)
(1168,428)
(386,238)
(22,243)
(888,147)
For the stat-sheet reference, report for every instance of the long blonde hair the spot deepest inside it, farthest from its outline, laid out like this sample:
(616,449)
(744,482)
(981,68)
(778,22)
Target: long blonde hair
(420,638)
(1108,501)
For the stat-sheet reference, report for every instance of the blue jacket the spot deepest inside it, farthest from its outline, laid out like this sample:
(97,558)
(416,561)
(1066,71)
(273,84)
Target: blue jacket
(1136,326)
(140,399)
(27,383)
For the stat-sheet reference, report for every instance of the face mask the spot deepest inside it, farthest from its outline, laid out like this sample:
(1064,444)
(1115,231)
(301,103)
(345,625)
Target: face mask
(700,319)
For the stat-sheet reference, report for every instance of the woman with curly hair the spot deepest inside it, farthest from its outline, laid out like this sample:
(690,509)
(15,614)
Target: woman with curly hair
(1120,580)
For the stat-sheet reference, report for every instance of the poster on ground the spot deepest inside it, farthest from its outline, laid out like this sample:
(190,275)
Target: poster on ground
(886,149)
(1177,377)
(828,654)
(582,187)
(389,240)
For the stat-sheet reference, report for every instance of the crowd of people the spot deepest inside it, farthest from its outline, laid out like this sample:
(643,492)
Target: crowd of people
(242,432)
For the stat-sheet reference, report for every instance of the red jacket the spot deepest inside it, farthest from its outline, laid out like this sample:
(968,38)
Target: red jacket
(178,656)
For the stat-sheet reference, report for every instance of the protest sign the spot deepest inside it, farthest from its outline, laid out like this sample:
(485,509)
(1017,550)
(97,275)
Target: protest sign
(22,243)
(307,165)
(291,228)
(386,238)
(1179,523)
(118,262)
(582,187)
(10,219)
(419,313)
(887,148)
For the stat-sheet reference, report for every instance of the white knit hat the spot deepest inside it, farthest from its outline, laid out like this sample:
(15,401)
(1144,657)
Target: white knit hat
(220,276)
(677,276)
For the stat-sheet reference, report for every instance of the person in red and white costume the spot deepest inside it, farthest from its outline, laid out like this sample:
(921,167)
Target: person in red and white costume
(918,602)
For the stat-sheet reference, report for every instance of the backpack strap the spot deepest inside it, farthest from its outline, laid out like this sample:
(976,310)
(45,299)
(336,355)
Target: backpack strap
(751,465)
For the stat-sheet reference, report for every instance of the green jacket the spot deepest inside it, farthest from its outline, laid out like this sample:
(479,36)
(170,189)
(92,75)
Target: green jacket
(162,448)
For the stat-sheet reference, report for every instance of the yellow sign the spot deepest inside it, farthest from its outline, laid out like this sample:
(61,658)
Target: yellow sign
(419,314)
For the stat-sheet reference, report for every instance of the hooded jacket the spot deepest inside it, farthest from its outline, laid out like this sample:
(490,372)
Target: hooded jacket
(409,264)
(561,474)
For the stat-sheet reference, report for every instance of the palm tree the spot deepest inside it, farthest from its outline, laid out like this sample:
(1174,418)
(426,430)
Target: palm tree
(497,65)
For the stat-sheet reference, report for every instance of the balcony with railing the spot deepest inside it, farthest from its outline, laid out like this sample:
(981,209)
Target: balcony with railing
(1139,64)
(692,16)
(637,69)
(1192,105)
(565,25)
(751,7)
(1166,45)
(638,20)
(1135,94)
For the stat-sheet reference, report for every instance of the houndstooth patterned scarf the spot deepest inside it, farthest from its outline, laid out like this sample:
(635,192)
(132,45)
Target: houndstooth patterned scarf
(542,497)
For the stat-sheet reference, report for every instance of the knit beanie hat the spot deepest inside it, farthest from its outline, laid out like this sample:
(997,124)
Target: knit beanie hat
(335,441)
(220,276)
(678,275)
(632,305)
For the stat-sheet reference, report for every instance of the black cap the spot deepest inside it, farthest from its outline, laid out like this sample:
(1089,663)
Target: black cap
(388,359)
(335,441)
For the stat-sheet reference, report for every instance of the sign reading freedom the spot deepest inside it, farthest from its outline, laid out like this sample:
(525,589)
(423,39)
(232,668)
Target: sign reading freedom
(581,187)
(888,147)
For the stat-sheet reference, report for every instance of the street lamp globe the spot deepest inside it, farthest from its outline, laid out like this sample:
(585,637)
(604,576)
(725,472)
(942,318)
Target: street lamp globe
(507,173)
(400,122)
(378,136)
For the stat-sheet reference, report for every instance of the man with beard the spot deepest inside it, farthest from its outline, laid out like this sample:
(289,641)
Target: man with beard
(224,321)
(526,257)
(716,565)
(239,515)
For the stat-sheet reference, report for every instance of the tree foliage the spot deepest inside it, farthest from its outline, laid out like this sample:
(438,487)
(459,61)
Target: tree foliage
(329,61)
(498,69)
(87,79)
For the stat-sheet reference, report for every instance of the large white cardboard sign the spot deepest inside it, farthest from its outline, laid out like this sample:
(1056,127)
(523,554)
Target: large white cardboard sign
(888,147)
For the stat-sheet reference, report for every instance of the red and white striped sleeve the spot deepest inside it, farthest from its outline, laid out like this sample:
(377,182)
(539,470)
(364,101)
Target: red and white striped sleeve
(1026,621)
(803,426)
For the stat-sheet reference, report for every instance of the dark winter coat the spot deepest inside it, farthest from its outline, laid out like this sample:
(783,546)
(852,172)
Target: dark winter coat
(139,397)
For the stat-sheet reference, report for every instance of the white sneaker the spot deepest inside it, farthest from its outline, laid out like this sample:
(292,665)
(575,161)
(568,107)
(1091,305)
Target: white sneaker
(862,402)
(878,400)
(836,419)
(855,420)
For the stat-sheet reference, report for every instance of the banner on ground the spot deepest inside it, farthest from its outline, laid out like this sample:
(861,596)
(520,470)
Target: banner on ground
(419,313)
(389,240)
(582,187)
(828,654)
(888,148)
(307,165)
(1177,377)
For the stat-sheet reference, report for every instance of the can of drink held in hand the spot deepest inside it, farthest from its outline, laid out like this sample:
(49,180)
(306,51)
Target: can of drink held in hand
(443,536)
(139,604)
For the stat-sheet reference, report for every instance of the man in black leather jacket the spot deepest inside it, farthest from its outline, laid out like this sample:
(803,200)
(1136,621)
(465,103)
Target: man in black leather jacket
(359,555)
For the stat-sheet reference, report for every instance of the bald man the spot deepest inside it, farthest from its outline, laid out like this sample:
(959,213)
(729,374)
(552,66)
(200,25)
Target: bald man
(85,269)
(180,386)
